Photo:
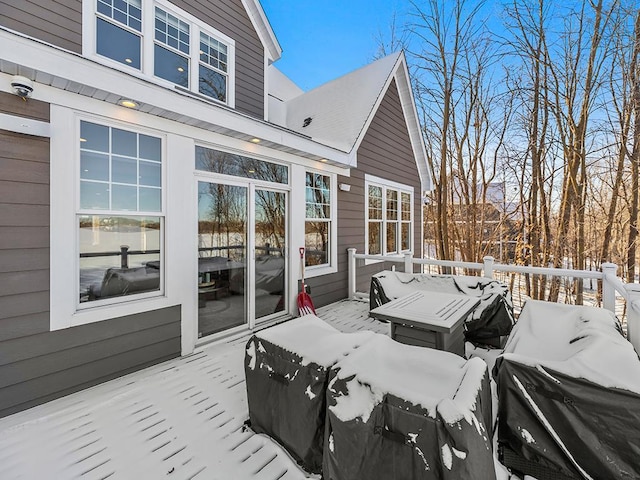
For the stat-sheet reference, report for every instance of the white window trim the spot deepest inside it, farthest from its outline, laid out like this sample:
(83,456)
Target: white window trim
(332,266)
(401,188)
(89,12)
(66,311)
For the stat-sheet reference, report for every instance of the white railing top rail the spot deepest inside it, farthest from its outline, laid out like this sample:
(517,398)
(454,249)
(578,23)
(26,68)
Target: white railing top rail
(611,284)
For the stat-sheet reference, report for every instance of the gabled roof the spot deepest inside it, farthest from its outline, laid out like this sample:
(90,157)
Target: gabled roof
(263,27)
(342,109)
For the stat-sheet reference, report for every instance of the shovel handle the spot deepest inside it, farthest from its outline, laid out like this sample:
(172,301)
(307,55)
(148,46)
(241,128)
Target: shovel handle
(301,252)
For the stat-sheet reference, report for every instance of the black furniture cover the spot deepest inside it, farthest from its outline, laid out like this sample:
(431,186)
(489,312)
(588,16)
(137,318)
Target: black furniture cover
(286,368)
(399,412)
(488,324)
(569,395)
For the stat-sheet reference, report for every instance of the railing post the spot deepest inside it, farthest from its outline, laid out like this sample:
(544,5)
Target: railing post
(351,261)
(608,290)
(124,256)
(633,315)
(408,262)
(488,266)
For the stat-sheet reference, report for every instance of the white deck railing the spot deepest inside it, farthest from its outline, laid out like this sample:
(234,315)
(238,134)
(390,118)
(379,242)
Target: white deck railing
(612,286)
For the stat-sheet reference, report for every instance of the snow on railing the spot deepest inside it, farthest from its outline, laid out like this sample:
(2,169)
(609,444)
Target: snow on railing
(612,286)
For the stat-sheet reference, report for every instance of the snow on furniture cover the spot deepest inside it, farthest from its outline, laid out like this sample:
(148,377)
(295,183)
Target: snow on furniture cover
(569,395)
(286,368)
(489,321)
(399,412)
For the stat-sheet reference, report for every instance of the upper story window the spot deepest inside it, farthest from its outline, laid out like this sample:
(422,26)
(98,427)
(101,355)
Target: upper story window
(389,217)
(119,31)
(171,48)
(165,43)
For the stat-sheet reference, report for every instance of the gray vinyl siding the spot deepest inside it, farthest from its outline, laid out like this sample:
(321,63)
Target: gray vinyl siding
(59,22)
(386,153)
(37,365)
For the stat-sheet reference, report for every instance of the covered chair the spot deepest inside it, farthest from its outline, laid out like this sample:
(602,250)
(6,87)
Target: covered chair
(398,412)
(569,395)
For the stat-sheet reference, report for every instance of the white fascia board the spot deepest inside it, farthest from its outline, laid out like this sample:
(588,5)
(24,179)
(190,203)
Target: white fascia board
(263,28)
(73,67)
(413,123)
(401,75)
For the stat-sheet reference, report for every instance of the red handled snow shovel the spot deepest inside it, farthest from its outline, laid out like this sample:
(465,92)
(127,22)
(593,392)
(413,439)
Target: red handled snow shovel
(305,305)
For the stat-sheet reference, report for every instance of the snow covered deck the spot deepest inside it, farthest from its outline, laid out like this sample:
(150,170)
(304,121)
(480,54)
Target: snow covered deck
(182,419)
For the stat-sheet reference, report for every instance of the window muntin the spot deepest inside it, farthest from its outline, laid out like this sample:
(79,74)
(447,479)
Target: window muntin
(317,230)
(126,12)
(216,161)
(119,237)
(172,48)
(119,170)
(389,219)
(118,31)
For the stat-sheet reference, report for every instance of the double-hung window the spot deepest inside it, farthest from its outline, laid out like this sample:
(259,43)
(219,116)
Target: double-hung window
(389,217)
(119,31)
(171,48)
(120,214)
(318,220)
(164,42)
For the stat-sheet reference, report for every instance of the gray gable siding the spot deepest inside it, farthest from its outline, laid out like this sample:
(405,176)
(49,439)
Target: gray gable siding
(384,152)
(37,365)
(59,22)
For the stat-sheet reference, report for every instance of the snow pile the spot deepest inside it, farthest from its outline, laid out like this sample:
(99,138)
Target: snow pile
(582,342)
(321,343)
(440,382)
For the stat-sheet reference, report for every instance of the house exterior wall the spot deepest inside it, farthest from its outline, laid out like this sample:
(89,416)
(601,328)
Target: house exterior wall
(386,153)
(37,365)
(60,23)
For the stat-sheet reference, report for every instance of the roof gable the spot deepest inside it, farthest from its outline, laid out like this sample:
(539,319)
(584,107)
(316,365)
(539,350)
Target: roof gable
(338,113)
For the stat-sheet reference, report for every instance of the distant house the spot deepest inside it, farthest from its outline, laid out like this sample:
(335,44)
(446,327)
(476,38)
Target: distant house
(496,216)
(160,174)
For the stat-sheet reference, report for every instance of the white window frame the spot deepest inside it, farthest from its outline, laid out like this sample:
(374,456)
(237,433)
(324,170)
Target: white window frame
(400,188)
(66,309)
(332,265)
(89,45)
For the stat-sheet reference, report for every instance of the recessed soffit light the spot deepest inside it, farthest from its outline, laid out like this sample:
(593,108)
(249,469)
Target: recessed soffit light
(255,140)
(126,102)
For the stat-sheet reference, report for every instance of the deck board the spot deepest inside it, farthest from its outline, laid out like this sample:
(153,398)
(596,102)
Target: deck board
(182,419)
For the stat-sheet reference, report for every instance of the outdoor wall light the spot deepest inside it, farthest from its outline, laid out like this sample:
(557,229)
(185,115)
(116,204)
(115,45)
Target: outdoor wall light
(345,187)
(126,102)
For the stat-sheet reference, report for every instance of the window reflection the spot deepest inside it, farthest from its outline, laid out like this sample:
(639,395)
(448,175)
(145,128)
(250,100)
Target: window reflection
(215,161)
(119,256)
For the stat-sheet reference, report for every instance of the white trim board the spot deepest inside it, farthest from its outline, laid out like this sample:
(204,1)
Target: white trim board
(27,126)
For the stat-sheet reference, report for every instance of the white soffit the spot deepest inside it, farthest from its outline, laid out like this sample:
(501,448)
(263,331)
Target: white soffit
(50,65)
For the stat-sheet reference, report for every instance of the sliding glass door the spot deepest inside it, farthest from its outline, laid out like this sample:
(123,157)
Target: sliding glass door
(242,261)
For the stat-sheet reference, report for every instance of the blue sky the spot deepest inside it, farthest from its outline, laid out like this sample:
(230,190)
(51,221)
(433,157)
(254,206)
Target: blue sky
(324,39)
